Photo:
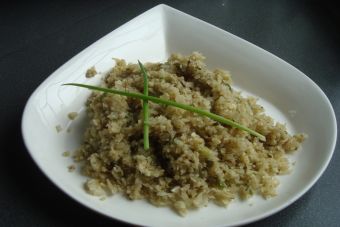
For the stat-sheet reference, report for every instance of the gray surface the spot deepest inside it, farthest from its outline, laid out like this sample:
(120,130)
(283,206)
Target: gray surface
(36,38)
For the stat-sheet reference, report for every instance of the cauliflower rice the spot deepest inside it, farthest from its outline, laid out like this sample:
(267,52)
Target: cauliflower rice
(192,159)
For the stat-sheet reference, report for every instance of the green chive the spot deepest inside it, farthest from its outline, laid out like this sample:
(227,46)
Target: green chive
(221,184)
(208,114)
(145,107)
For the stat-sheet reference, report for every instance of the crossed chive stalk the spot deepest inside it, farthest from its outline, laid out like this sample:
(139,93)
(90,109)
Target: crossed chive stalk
(146,97)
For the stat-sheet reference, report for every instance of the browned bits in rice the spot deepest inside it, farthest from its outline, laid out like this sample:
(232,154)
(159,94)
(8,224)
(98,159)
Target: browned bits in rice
(192,159)
(91,72)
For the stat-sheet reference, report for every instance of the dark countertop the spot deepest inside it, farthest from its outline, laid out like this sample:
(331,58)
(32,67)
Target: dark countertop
(37,38)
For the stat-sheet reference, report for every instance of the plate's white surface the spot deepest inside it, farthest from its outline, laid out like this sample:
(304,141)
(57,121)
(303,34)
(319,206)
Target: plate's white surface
(286,93)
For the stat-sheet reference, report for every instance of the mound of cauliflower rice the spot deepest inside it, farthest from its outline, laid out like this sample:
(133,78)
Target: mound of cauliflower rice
(192,159)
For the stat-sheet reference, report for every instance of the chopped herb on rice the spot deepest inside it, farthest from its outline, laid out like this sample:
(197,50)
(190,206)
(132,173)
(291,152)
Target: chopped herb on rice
(66,153)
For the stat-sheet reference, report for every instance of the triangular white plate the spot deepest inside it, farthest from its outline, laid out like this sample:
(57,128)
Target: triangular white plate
(287,94)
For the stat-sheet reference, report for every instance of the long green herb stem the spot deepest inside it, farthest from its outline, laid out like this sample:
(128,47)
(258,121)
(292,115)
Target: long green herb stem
(175,104)
(145,108)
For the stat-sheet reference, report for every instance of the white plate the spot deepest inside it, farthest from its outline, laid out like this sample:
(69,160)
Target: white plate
(287,94)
